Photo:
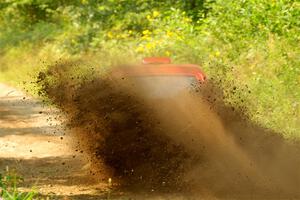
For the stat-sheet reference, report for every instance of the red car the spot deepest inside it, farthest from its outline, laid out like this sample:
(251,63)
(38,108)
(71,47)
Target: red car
(161,79)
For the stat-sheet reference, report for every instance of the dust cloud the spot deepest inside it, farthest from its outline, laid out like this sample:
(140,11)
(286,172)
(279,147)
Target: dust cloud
(189,143)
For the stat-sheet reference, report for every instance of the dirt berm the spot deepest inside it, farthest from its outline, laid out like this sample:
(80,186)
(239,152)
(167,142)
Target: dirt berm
(191,144)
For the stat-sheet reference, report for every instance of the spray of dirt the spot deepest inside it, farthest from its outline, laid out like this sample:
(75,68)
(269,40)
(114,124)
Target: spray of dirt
(189,143)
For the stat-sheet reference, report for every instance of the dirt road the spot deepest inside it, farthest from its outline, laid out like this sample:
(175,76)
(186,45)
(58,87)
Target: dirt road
(33,142)
(228,158)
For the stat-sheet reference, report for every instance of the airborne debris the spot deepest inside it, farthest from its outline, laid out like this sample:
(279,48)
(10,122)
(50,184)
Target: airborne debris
(208,156)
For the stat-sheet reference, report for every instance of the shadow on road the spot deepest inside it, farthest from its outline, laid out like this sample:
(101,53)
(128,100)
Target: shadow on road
(33,143)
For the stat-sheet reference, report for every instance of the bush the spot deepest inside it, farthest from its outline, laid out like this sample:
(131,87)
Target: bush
(250,47)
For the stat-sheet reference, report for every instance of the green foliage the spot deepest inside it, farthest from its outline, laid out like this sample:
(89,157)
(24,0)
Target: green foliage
(9,189)
(250,45)
(233,21)
(83,22)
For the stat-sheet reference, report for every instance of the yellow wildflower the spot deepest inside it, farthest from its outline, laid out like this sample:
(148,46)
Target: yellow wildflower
(146,37)
(110,35)
(139,49)
(150,46)
(146,32)
(155,14)
(169,33)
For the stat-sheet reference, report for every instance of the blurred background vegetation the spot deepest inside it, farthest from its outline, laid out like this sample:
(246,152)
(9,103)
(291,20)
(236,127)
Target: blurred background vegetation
(250,47)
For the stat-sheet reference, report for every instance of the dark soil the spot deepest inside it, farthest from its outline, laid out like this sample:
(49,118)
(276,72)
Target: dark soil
(192,144)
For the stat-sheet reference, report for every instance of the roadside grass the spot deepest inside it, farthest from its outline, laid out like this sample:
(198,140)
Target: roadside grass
(19,66)
(9,190)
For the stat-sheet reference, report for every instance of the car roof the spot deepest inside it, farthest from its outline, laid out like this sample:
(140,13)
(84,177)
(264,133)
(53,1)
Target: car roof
(162,70)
